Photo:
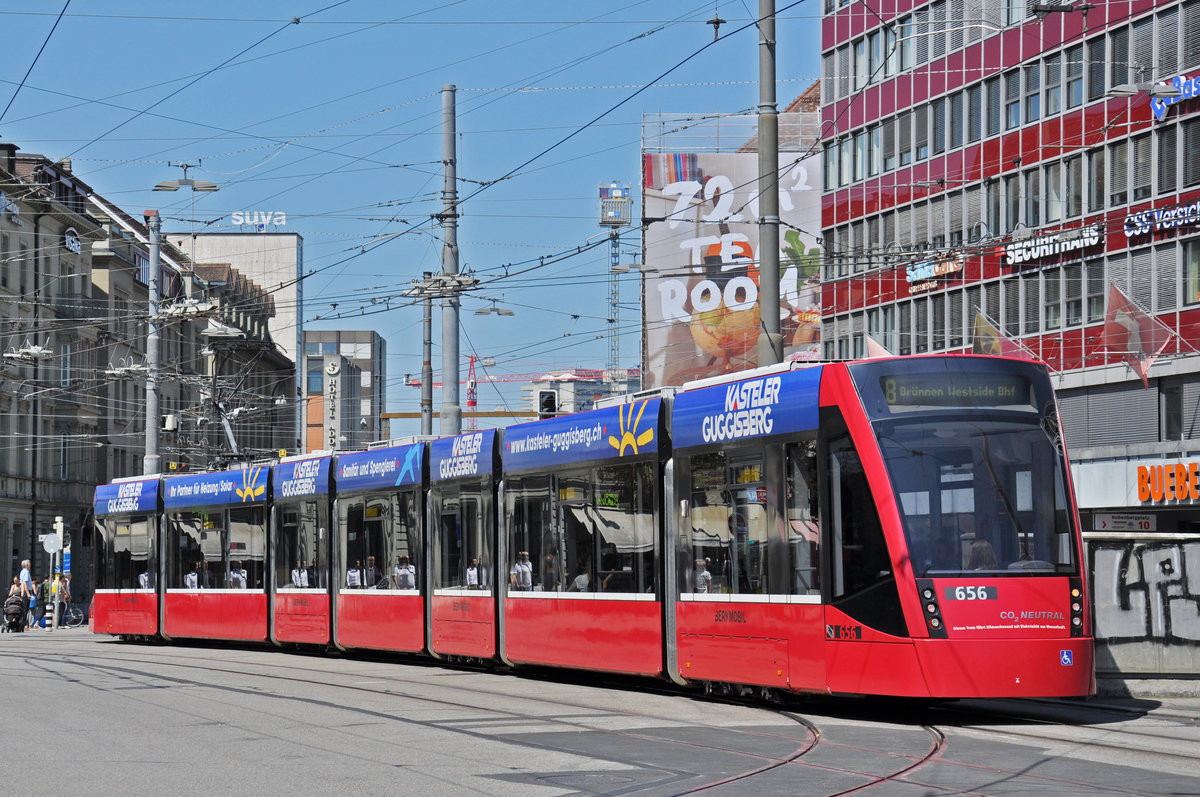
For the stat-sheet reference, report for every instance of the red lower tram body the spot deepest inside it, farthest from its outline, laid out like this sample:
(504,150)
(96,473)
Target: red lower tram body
(860,529)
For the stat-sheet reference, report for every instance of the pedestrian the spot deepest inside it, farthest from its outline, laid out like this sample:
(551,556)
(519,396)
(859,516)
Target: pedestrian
(27,591)
(31,619)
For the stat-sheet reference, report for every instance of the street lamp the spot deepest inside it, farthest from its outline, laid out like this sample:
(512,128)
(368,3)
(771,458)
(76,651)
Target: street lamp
(152,462)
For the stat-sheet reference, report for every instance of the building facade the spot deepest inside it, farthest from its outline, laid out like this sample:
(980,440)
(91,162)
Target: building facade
(1014,171)
(50,418)
(274,261)
(367,351)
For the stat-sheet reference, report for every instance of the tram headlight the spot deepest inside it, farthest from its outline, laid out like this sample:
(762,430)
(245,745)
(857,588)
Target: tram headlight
(927,594)
(1076,607)
(1076,621)
(931,608)
(1075,593)
(935,622)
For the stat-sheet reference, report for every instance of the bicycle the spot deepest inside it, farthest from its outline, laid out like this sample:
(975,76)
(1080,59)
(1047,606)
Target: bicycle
(72,616)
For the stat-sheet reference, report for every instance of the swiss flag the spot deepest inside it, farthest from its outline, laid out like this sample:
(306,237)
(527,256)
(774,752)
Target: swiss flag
(1132,334)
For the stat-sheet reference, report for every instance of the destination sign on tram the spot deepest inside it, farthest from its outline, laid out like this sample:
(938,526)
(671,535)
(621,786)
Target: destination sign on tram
(963,390)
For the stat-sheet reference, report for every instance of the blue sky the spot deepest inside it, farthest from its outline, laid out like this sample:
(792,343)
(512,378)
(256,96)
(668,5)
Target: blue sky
(335,120)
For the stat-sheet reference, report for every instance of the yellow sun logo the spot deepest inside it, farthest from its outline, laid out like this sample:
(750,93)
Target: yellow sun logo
(629,433)
(250,488)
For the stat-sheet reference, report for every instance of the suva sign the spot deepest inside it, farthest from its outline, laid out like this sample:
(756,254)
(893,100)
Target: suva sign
(258,218)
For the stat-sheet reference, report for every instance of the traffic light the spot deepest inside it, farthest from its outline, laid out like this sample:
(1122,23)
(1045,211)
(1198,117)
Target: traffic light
(547,404)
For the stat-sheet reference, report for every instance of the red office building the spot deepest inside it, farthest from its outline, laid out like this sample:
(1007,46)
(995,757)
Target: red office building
(1024,178)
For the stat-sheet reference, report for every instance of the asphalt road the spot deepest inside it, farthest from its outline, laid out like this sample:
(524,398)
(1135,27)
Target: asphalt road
(91,715)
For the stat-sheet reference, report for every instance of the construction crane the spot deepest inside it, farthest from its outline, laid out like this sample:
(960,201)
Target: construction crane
(472,397)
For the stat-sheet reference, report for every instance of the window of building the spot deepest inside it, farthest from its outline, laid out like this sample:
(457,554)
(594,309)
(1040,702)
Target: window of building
(938,307)
(921,311)
(1074,69)
(1142,51)
(1191,143)
(860,155)
(1030,285)
(1119,57)
(1191,272)
(874,55)
(891,52)
(843,71)
(1033,93)
(1054,192)
(1095,69)
(1012,201)
(1142,171)
(1012,307)
(904,138)
(1118,173)
(1033,196)
(921,132)
(975,113)
(955,110)
(938,109)
(1191,35)
(888,145)
(1051,297)
(1073,293)
(991,206)
(905,328)
(1168,42)
(845,160)
(993,99)
(1095,173)
(875,147)
(1074,188)
(829,167)
(860,64)
(906,41)
(1096,290)
(1052,70)
(937,27)
(1012,100)
(828,78)
(1168,166)
(1014,12)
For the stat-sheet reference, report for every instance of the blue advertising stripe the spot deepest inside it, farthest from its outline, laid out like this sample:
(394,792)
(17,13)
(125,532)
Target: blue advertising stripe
(381,467)
(464,456)
(246,486)
(629,430)
(761,407)
(126,497)
(300,478)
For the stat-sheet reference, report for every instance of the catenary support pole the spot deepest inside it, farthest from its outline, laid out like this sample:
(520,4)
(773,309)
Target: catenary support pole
(451,417)
(770,341)
(151,462)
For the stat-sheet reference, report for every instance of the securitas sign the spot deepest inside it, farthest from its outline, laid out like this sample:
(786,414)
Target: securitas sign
(126,497)
(629,430)
(1059,243)
(769,405)
(1148,221)
(382,467)
(301,478)
(463,456)
(210,489)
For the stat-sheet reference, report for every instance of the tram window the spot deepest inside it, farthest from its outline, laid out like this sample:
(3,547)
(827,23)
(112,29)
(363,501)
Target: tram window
(189,549)
(405,554)
(534,550)
(300,558)
(623,505)
(578,532)
(125,554)
(462,537)
(377,529)
(863,584)
(245,549)
(803,516)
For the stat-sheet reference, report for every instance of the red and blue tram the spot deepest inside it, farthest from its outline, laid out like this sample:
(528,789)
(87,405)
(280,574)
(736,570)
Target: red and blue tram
(378,558)
(462,565)
(582,541)
(214,551)
(898,526)
(300,533)
(126,600)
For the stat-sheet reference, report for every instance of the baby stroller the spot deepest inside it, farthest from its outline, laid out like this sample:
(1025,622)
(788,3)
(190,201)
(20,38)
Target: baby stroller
(14,612)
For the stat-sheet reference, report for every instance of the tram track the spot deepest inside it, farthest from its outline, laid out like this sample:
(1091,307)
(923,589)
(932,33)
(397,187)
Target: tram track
(846,746)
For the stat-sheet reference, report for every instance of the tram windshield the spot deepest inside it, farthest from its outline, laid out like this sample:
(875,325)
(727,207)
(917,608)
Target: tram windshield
(974,455)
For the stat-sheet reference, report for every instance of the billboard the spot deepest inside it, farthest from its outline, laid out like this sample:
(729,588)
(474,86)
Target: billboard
(701,310)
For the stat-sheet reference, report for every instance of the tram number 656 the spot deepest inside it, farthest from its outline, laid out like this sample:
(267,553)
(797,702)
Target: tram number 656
(971,593)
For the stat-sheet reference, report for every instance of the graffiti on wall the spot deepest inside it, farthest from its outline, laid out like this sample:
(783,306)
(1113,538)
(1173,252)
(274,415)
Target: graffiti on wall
(1146,591)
